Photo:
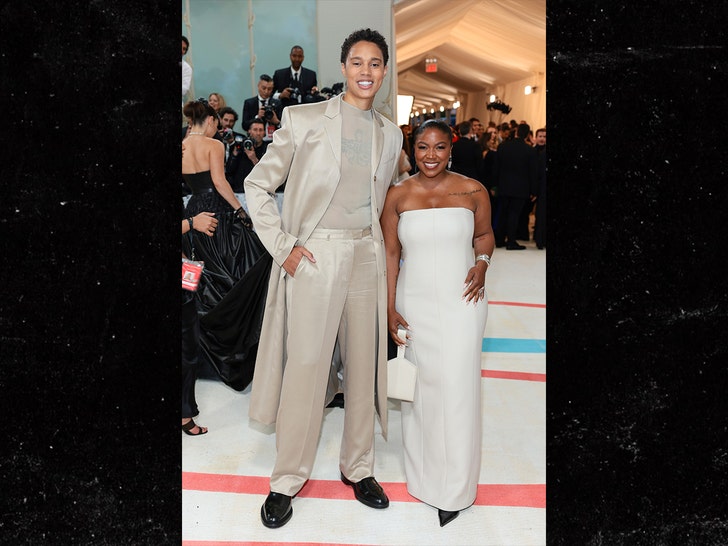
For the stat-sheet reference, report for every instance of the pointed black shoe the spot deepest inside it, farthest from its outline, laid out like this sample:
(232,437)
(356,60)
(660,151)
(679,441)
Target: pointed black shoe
(446,517)
(337,402)
(368,492)
(276,510)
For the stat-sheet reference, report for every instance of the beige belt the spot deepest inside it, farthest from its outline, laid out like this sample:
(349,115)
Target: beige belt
(326,233)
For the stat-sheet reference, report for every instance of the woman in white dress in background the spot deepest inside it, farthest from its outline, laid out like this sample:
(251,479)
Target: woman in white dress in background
(438,224)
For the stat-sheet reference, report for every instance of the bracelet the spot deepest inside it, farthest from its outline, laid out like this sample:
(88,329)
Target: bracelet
(239,212)
(189,221)
(484,258)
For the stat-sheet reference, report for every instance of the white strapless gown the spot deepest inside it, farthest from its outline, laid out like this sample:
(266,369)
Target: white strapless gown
(441,427)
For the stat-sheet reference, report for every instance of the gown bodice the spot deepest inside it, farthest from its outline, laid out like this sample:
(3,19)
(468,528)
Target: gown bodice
(204,195)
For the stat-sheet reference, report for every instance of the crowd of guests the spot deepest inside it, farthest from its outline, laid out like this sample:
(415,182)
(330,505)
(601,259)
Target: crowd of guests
(300,300)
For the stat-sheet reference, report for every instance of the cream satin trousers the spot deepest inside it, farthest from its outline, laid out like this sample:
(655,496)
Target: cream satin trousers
(335,297)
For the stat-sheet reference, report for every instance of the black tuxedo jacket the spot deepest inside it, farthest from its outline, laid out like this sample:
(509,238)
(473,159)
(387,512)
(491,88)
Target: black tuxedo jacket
(250,110)
(282,79)
(239,166)
(516,169)
(467,158)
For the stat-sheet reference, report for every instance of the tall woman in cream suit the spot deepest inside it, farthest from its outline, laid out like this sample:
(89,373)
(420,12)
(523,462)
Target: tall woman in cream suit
(328,279)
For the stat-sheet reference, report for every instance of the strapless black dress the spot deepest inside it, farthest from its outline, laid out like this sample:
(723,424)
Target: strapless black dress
(232,291)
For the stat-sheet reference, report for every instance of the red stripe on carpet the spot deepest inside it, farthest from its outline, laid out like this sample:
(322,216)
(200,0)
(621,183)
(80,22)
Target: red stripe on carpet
(518,304)
(520,376)
(519,495)
(251,543)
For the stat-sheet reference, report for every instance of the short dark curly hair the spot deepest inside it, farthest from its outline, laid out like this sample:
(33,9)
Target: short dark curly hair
(365,35)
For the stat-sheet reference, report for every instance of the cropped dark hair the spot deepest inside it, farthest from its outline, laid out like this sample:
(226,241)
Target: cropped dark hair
(228,110)
(296,47)
(265,78)
(464,128)
(365,35)
(186,41)
(198,110)
(522,130)
(434,124)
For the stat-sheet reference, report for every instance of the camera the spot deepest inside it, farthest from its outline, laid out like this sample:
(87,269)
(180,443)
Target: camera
(238,142)
(295,93)
(227,135)
(268,112)
(325,93)
(248,144)
(498,105)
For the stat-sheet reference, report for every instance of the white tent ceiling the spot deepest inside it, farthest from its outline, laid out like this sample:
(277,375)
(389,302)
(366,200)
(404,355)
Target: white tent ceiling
(479,45)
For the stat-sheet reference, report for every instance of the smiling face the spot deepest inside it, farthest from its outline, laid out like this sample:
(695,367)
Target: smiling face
(364,71)
(214,101)
(432,152)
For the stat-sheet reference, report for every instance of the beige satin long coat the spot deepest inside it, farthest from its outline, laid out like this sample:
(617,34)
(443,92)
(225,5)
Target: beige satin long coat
(306,154)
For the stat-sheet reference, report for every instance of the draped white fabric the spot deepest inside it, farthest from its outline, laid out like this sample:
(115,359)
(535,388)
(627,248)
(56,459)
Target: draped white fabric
(482,47)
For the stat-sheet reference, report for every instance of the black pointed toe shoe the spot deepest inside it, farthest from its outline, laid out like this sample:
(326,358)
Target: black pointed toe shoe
(368,492)
(276,510)
(446,517)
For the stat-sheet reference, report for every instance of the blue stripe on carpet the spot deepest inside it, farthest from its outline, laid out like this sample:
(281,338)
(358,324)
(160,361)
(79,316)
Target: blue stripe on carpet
(513,345)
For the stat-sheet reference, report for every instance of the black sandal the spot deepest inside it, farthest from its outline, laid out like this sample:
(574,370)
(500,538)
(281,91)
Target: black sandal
(189,425)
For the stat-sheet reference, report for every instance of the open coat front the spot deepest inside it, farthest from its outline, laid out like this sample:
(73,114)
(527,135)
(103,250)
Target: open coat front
(306,154)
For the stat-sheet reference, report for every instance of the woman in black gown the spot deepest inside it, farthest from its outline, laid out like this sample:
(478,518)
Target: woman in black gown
(231,294)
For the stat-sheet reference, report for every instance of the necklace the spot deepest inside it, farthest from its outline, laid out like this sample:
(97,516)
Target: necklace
(197,133)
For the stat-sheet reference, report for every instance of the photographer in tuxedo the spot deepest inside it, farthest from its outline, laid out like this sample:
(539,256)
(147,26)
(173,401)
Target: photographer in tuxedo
(228,118)
(264,107)
(245,153)
(294,83)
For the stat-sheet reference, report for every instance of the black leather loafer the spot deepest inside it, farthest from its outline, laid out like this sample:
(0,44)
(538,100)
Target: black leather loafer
(446,517)
(276,510)
(368,492)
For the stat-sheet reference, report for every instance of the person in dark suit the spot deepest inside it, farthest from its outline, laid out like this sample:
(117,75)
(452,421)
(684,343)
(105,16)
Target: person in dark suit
(244,157)
(466,155)
(539,231)
(294,83)
(516,176)
(264,107)
(228,118)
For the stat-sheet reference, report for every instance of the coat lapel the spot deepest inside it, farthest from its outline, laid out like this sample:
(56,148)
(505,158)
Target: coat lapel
(332,126)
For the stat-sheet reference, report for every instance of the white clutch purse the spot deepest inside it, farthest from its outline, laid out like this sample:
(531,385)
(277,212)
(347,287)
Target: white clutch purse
(401,374)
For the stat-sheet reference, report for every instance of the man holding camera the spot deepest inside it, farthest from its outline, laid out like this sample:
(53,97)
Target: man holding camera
(295,83)
(228,117)
(245,153)
(264,107)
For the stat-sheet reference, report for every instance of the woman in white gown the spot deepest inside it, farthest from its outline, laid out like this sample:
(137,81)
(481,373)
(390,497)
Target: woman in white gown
(438,239)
